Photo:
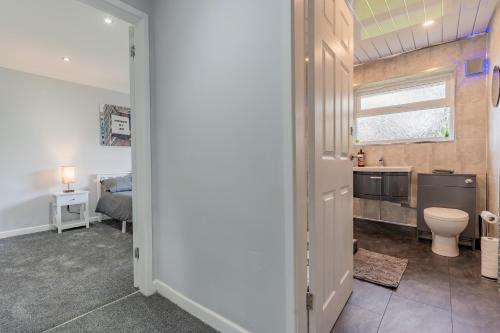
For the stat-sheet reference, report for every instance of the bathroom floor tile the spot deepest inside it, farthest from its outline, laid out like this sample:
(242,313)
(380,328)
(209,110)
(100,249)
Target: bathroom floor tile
(466,266)
(370,296)
(404,315)
(468,326)
(436,294)
(426,286)
(354,319)
(476,305)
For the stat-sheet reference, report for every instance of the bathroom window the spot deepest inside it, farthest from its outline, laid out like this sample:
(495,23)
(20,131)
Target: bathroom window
(417,108)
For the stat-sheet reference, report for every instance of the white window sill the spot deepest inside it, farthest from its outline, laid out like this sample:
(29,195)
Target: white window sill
(403,142)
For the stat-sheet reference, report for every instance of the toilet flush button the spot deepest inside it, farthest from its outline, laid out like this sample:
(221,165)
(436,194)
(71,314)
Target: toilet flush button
(468,181)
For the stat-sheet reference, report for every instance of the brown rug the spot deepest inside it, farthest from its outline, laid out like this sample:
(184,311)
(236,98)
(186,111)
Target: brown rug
(379,268)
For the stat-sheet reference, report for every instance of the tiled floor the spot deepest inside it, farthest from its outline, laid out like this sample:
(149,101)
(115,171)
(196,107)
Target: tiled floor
(436,294)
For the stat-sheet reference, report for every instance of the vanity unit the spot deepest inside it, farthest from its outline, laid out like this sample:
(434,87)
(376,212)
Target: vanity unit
(383,183)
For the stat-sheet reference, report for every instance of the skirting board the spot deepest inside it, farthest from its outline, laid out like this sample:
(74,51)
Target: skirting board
(32,230)
(208,316)
(25,231)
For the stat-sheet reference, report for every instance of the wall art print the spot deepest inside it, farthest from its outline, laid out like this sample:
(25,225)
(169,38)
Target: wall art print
(115,125)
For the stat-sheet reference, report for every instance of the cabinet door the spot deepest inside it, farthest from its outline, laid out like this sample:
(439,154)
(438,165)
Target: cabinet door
(395,186)
(368,184)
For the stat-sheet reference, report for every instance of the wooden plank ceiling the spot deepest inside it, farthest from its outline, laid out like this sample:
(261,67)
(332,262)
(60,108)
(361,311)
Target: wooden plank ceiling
(389,27)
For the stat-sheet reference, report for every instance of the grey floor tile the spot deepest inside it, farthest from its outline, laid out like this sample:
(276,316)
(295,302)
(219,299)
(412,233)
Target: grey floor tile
(475,306)
(407,316)
(435,291)
(137,314)
(422,258)
(467,266)
(370,296)
(426,286)
(467,326)
(354,319)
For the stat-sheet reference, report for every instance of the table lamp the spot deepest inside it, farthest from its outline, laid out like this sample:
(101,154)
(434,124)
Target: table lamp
(68,177)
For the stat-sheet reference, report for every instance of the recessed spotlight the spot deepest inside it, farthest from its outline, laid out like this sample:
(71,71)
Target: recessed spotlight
(66,59)
(107,20)
(428,23)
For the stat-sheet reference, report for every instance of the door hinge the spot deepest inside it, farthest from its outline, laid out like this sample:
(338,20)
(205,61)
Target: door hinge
(136,253)
(352,130)
(132,51)
(309,301)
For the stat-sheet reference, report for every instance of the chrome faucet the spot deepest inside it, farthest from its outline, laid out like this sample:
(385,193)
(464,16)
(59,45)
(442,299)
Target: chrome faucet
(381,161)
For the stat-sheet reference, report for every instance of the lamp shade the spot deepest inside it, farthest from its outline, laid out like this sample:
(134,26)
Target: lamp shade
(68,174)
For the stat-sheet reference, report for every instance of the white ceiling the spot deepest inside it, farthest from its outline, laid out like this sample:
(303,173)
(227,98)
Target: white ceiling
(36,34)
(389,27)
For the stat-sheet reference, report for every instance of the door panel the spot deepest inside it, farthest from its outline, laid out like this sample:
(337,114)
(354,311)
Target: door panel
(330,176)
(329,107)
(345,84)
(329,12)
(344,26)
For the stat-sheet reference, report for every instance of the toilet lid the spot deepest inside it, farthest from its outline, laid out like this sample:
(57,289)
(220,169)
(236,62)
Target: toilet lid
(448,214)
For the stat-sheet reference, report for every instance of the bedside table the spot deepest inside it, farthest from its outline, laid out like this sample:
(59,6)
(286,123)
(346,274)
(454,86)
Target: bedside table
(60,200)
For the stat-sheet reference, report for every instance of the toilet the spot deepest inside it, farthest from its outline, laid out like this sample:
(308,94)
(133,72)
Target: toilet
(446,225)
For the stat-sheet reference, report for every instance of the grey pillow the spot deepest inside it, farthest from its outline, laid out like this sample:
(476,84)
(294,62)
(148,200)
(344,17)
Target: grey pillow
(118,184)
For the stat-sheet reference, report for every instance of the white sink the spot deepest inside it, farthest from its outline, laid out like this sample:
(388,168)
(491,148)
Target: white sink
(384,169)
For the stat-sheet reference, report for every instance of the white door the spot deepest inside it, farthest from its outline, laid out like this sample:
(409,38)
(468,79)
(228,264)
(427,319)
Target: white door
(330,169)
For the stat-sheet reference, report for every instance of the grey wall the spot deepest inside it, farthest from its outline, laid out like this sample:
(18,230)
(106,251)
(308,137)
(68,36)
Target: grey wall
(46,123)
(222,156)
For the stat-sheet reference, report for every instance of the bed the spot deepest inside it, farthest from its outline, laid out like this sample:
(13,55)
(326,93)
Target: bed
(114,197)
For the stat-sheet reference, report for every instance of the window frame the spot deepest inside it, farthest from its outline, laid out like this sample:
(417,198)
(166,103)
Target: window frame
(446,75)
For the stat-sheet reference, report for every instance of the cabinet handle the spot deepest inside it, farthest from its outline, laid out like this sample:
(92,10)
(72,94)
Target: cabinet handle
(375,177)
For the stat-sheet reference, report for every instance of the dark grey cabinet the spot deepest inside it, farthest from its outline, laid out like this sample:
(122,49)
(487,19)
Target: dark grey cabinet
(386,186)
(368,185)
(396,187)
(456,191)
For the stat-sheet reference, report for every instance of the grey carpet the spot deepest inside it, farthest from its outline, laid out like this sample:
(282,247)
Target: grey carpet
(379,268)
(47,279)
(137,314)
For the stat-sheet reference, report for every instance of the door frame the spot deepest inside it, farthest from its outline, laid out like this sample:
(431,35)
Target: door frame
(301,164)
(141,143)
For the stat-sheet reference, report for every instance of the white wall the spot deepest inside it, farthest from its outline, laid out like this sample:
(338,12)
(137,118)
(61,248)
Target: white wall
(222,156)
(46,123)
(143,5)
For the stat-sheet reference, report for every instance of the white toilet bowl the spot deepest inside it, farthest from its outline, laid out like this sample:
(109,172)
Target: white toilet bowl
(446,225)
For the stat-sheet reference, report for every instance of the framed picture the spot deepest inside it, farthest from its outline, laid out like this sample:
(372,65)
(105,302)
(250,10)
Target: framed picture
(115,125)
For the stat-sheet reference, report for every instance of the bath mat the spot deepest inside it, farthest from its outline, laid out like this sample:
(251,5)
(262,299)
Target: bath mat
(379,268)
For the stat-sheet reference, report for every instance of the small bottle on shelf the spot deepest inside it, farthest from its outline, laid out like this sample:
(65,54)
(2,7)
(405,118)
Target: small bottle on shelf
(361,158)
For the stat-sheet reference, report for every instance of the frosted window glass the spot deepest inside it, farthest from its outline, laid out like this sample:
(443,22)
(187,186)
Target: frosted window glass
(422,93)
(414,125)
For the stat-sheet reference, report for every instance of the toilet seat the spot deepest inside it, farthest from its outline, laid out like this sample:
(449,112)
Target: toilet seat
(446,214)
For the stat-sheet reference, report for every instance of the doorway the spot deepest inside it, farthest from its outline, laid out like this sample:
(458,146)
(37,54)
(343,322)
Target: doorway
(141,146)
(57,121)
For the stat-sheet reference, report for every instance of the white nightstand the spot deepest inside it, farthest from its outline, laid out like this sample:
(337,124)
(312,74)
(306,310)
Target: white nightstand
(60,200)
